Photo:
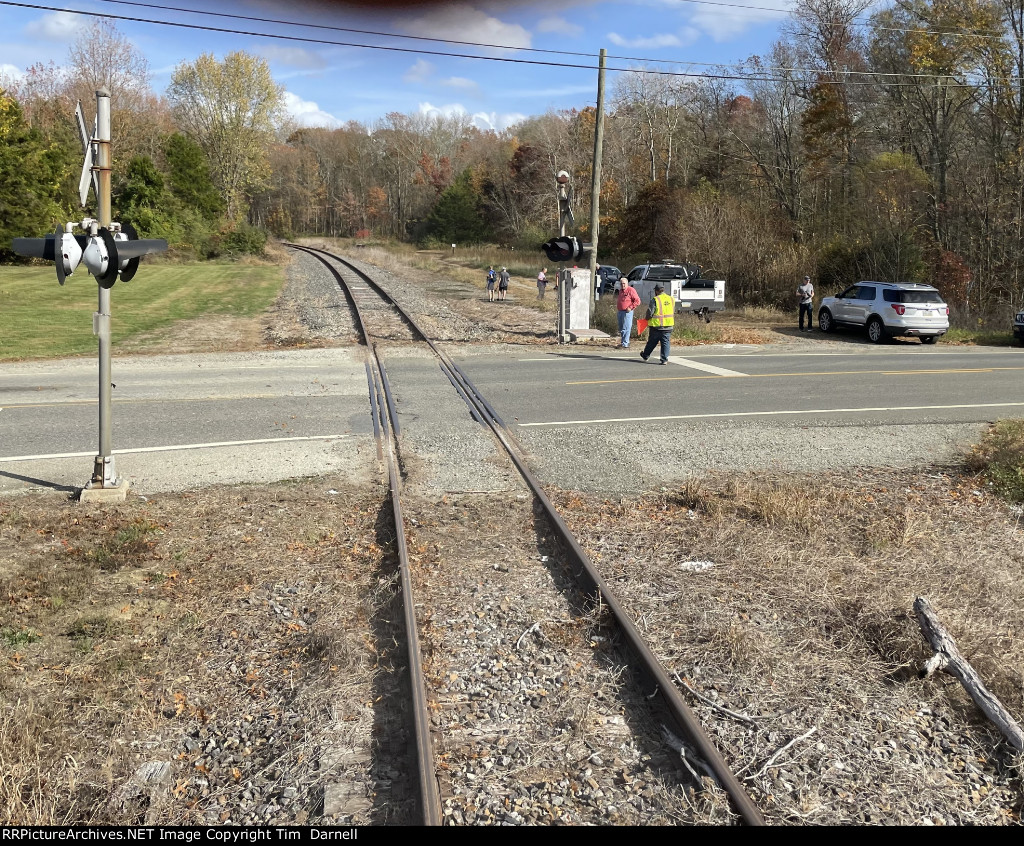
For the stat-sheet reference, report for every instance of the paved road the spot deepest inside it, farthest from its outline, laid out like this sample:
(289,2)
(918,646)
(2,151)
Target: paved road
(884,384)
(587,416)
(185,421)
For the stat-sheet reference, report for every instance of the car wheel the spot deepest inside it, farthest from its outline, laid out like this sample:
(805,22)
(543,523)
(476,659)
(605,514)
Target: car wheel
(876,331)
(825,321)
(929,339)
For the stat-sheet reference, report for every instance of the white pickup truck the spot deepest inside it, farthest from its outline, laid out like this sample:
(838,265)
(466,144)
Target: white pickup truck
(682,282)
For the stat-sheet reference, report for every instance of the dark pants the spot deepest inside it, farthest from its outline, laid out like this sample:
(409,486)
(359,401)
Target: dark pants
(808,309)
(657,336)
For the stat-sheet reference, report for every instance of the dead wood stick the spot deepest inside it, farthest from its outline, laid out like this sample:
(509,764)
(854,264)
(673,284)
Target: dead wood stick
(775,757)
(707,701)
(947,657)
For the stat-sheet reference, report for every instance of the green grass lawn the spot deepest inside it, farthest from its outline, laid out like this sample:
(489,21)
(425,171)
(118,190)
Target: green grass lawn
(41,319)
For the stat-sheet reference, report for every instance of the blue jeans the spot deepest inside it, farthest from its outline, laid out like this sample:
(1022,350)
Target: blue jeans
(808,309)
(657,336)
(625,326)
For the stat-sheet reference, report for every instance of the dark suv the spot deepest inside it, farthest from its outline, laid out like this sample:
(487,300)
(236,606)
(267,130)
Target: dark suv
(607,278)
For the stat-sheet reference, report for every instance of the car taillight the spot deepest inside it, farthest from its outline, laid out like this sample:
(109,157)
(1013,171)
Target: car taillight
(947,311)
(899,309)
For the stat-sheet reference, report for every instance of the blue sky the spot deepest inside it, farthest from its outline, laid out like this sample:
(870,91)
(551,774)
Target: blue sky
(328,84)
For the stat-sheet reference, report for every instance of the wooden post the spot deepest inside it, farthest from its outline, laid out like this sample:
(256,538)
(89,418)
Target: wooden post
(947,657)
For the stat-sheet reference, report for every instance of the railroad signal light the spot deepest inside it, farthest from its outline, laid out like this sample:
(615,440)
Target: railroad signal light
(127,267)
(565,248)
(100,256)
(70,253)
(108,254)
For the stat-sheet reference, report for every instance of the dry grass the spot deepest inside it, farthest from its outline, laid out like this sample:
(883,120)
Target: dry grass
(127,630)
(805,615)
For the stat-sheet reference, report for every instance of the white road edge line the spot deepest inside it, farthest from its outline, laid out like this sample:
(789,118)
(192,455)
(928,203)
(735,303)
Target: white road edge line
(772,413)
(174,448)
(707,368)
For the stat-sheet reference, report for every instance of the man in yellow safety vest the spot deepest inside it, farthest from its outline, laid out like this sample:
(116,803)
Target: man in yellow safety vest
(660,320)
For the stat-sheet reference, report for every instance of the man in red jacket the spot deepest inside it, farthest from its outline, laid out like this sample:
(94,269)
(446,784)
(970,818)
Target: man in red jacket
(626,300)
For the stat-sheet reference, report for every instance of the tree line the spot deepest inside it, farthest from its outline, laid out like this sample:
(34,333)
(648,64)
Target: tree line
(862,146)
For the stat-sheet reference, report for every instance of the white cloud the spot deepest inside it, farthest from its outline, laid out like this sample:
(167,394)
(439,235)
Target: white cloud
(56,26)
(554,91)
(9,73)
(721,25)
(462,83)
(646,42)
(464,23)
(419,72)
(308,113)
(727,27)
(296,57)
(495,121)
(481,120)
(559,25)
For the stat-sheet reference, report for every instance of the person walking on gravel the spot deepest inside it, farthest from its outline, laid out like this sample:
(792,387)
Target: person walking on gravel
(542,283)
(805,296)
(492,277)
(503,280)
(660,320)
(626,301)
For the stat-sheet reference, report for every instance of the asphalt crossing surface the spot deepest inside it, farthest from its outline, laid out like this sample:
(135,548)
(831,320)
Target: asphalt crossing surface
(586,414)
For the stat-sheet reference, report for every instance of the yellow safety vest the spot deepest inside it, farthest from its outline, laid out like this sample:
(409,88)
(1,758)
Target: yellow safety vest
(664,312)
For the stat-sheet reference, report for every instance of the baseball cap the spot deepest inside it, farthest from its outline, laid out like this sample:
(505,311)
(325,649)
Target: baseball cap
(659,287)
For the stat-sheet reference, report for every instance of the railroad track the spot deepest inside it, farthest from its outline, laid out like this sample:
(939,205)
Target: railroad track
(463,724)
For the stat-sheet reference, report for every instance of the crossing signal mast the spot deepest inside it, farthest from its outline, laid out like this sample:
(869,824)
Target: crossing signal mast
(565,249)
(110,251)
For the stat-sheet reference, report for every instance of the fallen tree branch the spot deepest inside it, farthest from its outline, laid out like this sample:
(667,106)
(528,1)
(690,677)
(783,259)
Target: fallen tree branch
(947,657)
(711,702)
(679,748)
(777,753)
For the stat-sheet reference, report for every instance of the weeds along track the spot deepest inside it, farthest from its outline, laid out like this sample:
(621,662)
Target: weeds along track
(536,699)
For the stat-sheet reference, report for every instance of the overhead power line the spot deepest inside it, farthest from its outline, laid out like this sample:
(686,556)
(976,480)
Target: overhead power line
(489,46)
(484,45)
(748,76)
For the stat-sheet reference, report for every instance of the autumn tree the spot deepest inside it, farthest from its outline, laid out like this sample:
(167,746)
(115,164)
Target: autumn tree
(231,110)
(927,62)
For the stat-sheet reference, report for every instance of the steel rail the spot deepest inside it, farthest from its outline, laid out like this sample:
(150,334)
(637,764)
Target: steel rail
(430,802)
(686,721)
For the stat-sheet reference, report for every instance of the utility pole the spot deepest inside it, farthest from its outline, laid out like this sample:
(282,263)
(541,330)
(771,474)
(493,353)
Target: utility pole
(595,188)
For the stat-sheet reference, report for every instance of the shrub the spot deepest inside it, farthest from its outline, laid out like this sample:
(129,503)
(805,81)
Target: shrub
(1000,459)
(244,239)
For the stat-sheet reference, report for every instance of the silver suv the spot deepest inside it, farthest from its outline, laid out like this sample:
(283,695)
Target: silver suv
(887,310)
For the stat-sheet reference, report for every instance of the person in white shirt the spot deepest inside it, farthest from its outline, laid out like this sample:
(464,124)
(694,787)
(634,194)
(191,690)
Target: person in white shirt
(805,296)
